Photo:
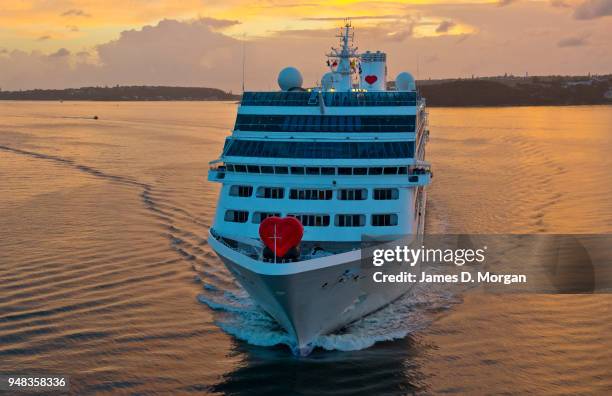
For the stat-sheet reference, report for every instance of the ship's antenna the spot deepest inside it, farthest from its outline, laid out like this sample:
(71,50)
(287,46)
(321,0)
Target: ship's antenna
(243,59)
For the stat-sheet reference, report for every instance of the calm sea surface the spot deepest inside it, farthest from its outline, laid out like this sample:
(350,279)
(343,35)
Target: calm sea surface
(105,273)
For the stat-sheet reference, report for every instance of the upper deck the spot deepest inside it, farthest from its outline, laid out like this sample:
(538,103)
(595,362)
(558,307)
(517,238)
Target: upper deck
(330,98)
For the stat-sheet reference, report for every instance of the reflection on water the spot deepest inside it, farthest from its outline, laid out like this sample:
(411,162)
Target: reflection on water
(104,262)
(388,368)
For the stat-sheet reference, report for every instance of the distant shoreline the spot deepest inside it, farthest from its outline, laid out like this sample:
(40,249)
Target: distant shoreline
(475,92)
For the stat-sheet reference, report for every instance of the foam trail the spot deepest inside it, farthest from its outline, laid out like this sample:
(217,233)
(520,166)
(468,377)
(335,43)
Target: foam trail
(240,317)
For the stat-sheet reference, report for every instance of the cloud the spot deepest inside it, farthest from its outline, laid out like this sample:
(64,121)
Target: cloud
(355,18)
(60,52)
(486,40)
(217,23)
(72,28)
(575,41)
(172,52)
(44,38)
(591,9)
(560,4)
(503,3)
(445,26)
(75,12)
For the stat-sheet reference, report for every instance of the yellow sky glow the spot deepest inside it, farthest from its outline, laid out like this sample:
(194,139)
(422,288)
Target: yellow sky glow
(78,24)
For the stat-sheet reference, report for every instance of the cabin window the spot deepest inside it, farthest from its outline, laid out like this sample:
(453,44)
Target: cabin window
(252,168)
(281,170)
(385,194)
(312,220)
(360,171)
(313,171)
(240,168)
(352,194)
(236,216)
(270,192)
(258,217)
(267,169)
(345,171)
(350,220)
(390,170)
(297,170)
(384,220)
(328,171)
(375,171)
(310,194)
(402,170)
(241,191)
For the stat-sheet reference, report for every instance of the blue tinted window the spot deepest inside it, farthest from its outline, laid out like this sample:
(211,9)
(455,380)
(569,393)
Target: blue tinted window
(324,123)
(365,150)
(300,98)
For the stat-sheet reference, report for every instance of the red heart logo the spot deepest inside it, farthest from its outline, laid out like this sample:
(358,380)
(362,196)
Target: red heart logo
(281,234)
(371,79)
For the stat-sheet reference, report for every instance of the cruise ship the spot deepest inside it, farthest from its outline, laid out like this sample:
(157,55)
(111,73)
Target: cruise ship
(344,161)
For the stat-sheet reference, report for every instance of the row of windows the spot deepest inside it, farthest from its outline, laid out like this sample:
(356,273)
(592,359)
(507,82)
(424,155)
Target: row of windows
(324,123)
(316,170)
(284,149)
(312,194)
(317,220)
(303,98)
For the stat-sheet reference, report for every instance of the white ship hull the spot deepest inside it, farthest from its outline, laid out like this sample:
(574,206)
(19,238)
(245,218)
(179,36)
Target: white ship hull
(318,296)
(310,302)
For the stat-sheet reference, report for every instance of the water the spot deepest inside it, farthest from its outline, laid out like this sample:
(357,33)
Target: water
(105,273)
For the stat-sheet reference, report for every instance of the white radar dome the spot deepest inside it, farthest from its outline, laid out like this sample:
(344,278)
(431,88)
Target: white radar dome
(327,81)
(289,78)
(405,82)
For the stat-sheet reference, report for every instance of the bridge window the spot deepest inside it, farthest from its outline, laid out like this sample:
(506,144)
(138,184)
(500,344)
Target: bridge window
(284,98)
(325,123)
(270,192)
(258,217)
(310,194)
(384,220)
(352,194)
(236,216)
(241,191)
(384,194)
(350,220)
(312,220)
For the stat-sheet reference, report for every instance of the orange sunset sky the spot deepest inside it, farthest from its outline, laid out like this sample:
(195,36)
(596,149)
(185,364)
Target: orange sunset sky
(73,43)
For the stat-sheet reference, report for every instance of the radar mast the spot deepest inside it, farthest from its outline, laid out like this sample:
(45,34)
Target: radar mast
(344,59)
